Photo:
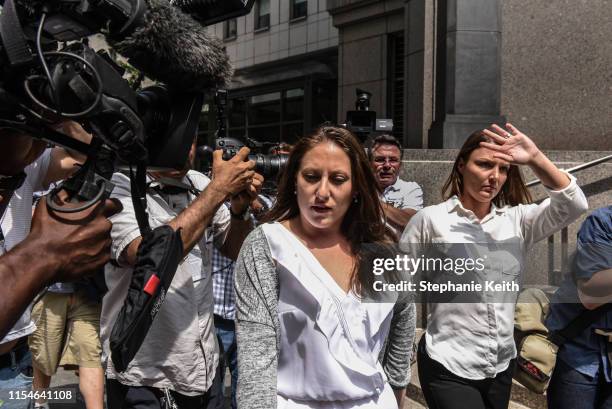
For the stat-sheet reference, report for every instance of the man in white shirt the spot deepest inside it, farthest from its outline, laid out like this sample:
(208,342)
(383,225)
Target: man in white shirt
(401,199)
(179,355)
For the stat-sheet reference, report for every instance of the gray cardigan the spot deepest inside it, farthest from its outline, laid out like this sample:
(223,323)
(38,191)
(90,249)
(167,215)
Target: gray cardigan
(258,329)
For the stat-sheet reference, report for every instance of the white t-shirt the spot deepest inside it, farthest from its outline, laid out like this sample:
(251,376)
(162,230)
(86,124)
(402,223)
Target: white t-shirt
(16,223)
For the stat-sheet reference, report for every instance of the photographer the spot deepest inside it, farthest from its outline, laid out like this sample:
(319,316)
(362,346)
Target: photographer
(179,355)
(56,248)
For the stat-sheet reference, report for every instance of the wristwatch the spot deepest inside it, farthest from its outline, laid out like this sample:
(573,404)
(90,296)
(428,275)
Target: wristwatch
(244,216)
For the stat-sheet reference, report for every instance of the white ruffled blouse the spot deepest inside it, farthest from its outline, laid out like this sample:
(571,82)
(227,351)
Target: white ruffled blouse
(330,340)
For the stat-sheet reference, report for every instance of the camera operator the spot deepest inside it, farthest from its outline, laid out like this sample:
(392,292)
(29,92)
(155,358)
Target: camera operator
(401,199)
(42,249)
(179,355)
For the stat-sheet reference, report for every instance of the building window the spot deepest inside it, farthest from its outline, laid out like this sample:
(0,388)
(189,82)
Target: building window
(299,9)
(206,135)
(270,117)
(283,112)
(230,29)
(262,14)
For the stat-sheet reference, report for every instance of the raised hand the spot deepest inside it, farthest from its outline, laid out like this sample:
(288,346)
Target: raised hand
(511,145)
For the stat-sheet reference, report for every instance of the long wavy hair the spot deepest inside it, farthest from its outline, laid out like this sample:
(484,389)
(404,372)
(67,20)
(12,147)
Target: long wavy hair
(363,222)
(513,192)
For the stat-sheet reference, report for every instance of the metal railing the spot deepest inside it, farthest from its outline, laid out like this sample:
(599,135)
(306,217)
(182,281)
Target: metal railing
(555,275)
(576,168)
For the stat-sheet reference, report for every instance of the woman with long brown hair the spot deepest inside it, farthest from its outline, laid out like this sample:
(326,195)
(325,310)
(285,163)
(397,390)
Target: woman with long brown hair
(305,338)
(466,356)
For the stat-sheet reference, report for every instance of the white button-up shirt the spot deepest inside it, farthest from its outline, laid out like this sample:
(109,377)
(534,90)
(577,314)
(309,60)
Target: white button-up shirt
(475,341)
(404,195)
(180,351)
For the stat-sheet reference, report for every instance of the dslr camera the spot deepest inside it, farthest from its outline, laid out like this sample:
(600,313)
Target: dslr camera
(267,165)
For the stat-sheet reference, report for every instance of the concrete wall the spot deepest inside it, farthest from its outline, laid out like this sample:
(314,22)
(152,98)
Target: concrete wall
(284,38)
(557,71)
(556,81)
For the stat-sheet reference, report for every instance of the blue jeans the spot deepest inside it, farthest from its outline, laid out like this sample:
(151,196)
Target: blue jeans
(570,389)
(16,378)
(226,331)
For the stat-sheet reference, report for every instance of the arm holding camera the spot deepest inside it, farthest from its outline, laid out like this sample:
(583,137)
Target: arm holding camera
(57,249)
(241,222)
(64,162)
(20,150)
(229,178)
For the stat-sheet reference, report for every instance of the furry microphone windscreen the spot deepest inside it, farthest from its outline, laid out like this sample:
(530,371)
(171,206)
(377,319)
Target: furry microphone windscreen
(175,49)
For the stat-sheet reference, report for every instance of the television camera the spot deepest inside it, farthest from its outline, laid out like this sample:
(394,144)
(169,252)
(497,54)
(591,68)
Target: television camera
(363,122)
(49,73)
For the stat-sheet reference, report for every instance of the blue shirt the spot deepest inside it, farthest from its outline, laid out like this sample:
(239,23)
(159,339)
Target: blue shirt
(587,352)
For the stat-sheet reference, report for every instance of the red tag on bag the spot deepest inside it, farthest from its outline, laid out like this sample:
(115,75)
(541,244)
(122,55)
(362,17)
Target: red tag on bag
(151,285)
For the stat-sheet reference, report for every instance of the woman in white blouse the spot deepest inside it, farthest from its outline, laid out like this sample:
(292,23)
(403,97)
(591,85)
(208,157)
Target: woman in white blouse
(466,357)
(305,338)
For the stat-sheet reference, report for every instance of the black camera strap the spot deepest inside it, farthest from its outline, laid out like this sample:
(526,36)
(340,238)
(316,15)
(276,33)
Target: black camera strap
(13,39)
(159,254)
(138,183)
(3,207)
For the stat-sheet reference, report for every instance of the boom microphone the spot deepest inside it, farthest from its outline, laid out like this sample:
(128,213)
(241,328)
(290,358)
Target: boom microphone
(166,41)
(171,47)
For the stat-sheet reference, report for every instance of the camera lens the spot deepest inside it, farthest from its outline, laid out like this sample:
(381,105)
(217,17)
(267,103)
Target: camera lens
(269,166)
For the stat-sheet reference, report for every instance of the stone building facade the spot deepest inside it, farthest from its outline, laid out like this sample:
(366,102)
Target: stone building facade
(463,64)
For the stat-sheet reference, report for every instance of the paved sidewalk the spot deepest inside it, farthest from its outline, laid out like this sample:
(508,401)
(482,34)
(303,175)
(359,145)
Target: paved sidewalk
(67,380)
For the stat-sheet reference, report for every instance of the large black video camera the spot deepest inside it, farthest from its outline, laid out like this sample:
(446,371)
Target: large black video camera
(49,73)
